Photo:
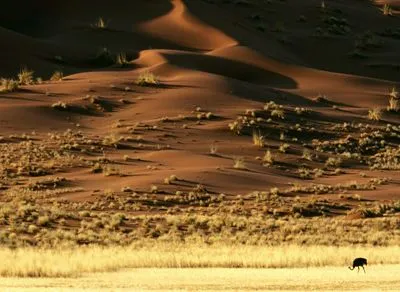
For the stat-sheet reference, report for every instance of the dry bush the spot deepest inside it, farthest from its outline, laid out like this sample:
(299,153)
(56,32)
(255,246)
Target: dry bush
(122,60)
(8,85)
(100,24)
(268,159)
(375,114)
(258,139)
(147,79)
(60,106)
(239,163)
(393,105)
(57,76)
(387,10)
(25,77)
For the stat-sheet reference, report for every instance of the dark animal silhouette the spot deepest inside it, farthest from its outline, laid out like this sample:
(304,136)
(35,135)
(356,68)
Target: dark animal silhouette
(359,262)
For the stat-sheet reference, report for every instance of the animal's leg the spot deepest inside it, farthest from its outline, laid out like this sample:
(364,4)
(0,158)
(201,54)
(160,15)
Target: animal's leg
(363,269)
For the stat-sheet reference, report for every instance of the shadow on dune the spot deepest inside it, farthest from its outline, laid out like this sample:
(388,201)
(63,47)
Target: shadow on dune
(43,18)
(232,69)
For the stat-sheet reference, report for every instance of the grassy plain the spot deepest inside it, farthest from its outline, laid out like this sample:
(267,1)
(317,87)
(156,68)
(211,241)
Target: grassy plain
(377,278)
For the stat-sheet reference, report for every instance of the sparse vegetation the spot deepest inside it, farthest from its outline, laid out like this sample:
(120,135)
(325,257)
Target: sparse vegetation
(147,79)
(268,159)
(60,106)
(25,77)
(100,24)
(387,10)
(57,76)
(239,163)
(258,139)
(122,60)
(375,114)
(8,85)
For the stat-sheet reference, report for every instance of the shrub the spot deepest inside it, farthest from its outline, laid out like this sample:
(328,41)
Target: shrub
(8,85)
(236,127)
(239,163)
(375,114)
(43,220)
(283,147)
(394,93)
(62,106)
(333,161)
(122,60)
(279,113)
(387,10)
(154,189)
(307,155)
(268,158)
(213,149)
(25,77)
(57,76)
(393,105)
(100,23)
(258,139)
(147,79)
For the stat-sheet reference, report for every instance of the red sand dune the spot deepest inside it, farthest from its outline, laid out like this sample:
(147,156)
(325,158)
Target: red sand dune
(220,56)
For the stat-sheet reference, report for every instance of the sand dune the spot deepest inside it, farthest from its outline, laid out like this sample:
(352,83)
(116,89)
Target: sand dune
(215,61)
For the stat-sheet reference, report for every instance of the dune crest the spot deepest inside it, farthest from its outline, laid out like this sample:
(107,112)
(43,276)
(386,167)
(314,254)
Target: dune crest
(183,28)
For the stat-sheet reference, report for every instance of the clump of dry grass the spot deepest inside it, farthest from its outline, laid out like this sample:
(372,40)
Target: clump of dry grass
(394,93)
(8,85)
(375,114)
(393,105)
(25,77)
(239,163)
(100,24)
(213,149)
(147,79)
(268,159)
(60,106)
(258,139)
(122,60)
(57,76)
(393,101)
(387,10)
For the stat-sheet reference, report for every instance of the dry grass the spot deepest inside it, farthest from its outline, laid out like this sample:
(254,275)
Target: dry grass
(387,10)
(393,105)
(268,158)
(8,85)
(147,79)
(100,24)
(122,60)
(219,279)
(258,139)
(25,77)
(71,262)
(375,114)
(239,163)
(57,76)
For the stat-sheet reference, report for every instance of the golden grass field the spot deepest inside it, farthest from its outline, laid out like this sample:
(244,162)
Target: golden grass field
(75,262)
(377,278)
(158,266)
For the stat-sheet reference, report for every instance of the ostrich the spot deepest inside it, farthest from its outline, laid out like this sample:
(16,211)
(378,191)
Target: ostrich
(359,262)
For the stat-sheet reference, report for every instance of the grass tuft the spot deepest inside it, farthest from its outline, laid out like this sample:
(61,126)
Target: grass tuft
(25,77)
(147,79)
